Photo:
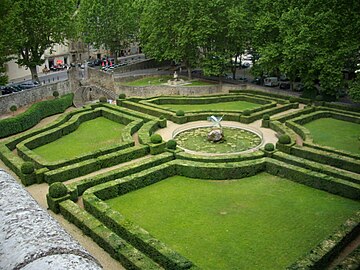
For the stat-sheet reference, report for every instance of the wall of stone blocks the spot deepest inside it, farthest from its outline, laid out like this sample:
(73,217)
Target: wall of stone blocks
(29,96)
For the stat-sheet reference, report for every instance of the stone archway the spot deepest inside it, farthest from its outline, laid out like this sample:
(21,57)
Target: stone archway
(88,93)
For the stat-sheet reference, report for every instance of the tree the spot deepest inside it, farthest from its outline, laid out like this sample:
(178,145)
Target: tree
(168,31)
(354,89)
(39,26)
(6,30)
(109,23)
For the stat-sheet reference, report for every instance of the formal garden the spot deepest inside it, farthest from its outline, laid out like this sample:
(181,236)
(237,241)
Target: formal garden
(279,190)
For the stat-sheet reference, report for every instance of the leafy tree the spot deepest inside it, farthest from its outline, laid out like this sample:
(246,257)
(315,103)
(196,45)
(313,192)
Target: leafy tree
(39,25)
(354,89)
(109,23)
(168,31)
(6,30)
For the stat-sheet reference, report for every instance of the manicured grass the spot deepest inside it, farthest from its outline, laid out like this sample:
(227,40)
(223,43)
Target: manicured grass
(236,140)
(161,80)
(90,136)
(220,106)
(260,222)
(335,133)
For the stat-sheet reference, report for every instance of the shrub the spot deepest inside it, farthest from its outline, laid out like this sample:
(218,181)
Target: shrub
(180,113)
(13,108)
(269,147)
(103,99)
(162,117)
(27,167)
(57,190)
(319,98)
(246,112)
(284,139)
(122,96)
(55,94)
(292,99)
(266,117)
(156,138)
(171,144)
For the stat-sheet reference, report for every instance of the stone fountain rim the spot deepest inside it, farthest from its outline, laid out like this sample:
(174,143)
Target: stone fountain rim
(230,124)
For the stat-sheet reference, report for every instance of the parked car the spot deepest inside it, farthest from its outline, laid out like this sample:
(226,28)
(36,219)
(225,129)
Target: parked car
(299,87)
(29,84)
(242,79)
(284,85)
(271,81)
(256,80)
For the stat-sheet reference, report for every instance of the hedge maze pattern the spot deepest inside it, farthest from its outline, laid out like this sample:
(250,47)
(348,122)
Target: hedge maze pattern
(325,168)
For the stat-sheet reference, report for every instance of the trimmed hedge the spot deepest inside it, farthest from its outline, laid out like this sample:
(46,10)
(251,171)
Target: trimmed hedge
(323,157)
(57,190)
(79,187)
(219,159)
(34,114)
(313,179)
(317,167)
(319,257)
(119,249)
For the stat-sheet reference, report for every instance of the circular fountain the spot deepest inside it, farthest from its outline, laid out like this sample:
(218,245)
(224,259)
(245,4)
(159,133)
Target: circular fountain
(236,138)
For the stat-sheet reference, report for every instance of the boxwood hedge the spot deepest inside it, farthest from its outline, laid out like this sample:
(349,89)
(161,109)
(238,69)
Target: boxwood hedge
(34,114)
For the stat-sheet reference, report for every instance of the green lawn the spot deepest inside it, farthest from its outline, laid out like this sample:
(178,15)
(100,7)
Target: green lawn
(335,133)
(261,222)
(90,136)
(161,80)
(220,106)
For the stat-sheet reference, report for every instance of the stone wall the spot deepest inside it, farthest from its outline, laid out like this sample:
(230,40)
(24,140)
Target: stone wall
(29,96)
(30,239)
(101,78)
(160,90)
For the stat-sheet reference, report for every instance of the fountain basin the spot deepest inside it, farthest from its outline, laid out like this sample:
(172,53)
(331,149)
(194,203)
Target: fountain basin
(192,138)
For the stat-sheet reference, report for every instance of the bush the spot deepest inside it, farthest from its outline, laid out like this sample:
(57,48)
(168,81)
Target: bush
(162,117)
(171,144)
(34,114)
(27,167)
(246,112)
(319,98)
(122,96)
(103,99)
(269,147)
(180,113)
(55,94)
(284,139)
(292,99)
(13,108)
(156,138)
(57,190)
(266,117)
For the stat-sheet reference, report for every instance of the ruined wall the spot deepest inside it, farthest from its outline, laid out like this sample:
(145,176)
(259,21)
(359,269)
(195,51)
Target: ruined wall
(30,239)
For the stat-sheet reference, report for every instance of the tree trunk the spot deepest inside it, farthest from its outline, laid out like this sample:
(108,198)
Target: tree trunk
(34,75)
(189,72)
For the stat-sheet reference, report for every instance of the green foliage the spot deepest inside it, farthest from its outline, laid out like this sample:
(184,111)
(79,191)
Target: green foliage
(27,167)
(269,147)
(171,144)
(33,115)
(57,190)
(122,96)
(156,138)
(30,42)
(292,99)
(112,24)
(284,139)
(13,108)
(266,117)
(55,94)
(354,89)
(102,99)
(180,113)
(246,112)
